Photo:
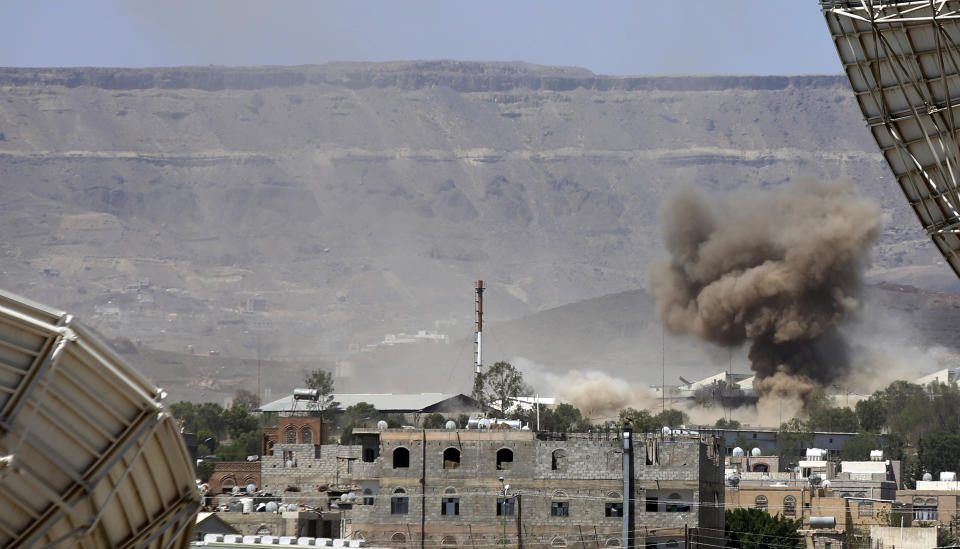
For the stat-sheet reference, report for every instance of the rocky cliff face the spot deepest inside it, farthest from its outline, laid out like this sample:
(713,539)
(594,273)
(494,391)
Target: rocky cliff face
(293,211)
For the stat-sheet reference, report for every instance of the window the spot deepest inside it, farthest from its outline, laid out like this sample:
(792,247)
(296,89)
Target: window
(865,509)
(399,503)
(507,508)
(925,509)
(448,541)
(367,496)
(760,503)
(227,484)
(789,506)
(504,459)
(612,542)
(290,435)
(675,504)
(558,542)
(558,460)
(401,458)
(317,451)
(306,435)
(653,504)
(451,458)
(613,510)
(369,455)
(450,506)
(560,509)
(398,540)
(761,468)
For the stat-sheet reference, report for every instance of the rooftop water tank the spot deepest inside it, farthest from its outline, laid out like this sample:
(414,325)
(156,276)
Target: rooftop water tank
(948,476)
(823,522)
(815,454)
(876,455)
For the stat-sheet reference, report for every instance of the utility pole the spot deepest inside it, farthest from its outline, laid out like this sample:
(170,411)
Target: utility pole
(478,351)
(503,510)
(628,540)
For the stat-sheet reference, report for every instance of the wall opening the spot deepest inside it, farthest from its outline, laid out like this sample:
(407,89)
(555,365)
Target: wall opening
(451,458)
(401,458)
(504,459)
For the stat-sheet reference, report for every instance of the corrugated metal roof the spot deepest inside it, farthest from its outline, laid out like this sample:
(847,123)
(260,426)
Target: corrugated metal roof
(400,402)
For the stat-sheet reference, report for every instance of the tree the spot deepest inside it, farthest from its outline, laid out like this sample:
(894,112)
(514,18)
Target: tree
(434,421)
(872,414)
(245,399)
(238,421)
(792,437)
(208,440)
(945,538)
(724,423)
(499,386)
(939,452)
(322,381)
(756,529)
(672,418)
(562,419)
(858,448)
(640,420)
(823,416)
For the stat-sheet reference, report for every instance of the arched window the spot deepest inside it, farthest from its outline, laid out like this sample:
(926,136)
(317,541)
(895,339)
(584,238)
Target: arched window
(451,458)
(612,542)
(760,503)
(449,491)
(306,435)
(560,506)
(290,435)
(613,508)
(448,541)
(504,459)
(558,460)
(399,503)
(227,483)
(789,506)
(558,542)
(401,458)
(760,468)
(398,540)
(614,495)
(675,504)
(450,503)
(560,494)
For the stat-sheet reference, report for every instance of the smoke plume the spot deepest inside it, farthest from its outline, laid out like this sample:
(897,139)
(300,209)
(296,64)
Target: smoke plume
(778,269)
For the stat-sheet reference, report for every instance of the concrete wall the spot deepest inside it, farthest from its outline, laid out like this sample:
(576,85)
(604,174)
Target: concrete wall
(912,538)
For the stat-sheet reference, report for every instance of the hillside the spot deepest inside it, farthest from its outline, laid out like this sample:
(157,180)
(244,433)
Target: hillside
(289,212)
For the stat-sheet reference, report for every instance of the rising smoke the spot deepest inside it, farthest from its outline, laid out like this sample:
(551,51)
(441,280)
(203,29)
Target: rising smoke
(778,269)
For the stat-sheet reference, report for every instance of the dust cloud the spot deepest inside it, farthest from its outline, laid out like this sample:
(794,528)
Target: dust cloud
(779,269)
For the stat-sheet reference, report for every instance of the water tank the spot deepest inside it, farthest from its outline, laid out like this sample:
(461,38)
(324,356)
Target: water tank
(247,505)
(484,423)
(815,454)
(738,452)
(755,452)
(927,476)
(876,455)
(251,488)
(948,476)
(306,394)
(823,522)
(272,507)
(450,425)
(382,425)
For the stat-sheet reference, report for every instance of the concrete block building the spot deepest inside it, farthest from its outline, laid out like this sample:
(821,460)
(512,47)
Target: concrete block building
(428,488)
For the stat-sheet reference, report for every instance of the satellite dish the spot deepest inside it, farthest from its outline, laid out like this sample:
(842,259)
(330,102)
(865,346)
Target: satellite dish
(666,431)
(755,452)
(927,476)
(733,480)
(825,484)
(251,488)
(272,507)
(382,425)
(450,425)
(235,490)
(738,452)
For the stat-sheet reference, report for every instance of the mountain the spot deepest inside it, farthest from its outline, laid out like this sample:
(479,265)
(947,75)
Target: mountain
(295,213)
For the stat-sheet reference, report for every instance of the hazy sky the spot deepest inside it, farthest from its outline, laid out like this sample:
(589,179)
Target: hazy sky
(606,36)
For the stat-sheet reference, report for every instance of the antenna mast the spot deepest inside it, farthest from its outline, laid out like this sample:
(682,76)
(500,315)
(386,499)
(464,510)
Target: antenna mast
(478,354)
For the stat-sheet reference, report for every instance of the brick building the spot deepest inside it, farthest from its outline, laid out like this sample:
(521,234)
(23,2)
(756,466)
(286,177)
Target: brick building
(442,487)
(227,474)
(305,429)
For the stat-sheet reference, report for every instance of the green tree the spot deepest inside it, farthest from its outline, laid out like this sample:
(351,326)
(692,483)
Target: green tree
(672,418)
(204,470)
(724,423)
(361,413)
(858,448)
(640,420)
(756,529)
(239,421)
(245,399)
(872,414)
(562,419)
(500,385)
(945,538)
(207,439)
(824,416)
(434,421)
(939,452)
(792,437)
(322,381)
